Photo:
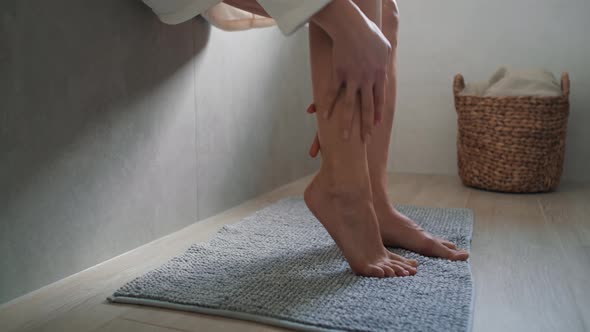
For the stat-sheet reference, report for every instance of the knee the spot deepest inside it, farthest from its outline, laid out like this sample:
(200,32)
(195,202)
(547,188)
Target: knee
(391,11)
(390,20)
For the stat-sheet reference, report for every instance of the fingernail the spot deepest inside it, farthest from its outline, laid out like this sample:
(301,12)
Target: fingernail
(406,273)
(346,134)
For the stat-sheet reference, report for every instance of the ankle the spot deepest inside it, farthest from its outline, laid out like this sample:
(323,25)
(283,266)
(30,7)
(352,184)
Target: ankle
(345,178)
(379,191)
(383,204)
(343,191)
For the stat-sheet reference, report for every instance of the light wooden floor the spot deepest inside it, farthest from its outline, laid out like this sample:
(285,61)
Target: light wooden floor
(530,259)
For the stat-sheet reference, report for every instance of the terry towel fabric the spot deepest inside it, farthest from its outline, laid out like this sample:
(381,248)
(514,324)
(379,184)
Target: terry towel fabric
(507,81)
(280,267)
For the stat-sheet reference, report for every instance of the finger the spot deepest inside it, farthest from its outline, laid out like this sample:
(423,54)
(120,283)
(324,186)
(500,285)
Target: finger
(378,117)
(348,111)
(315,147)
(332,95)
(367,114)
(379,93)
(311,109)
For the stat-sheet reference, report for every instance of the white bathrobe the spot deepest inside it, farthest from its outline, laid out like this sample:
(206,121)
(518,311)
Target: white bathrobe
(288,14)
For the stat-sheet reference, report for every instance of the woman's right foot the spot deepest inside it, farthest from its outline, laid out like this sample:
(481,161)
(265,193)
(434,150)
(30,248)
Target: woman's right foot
(350,219)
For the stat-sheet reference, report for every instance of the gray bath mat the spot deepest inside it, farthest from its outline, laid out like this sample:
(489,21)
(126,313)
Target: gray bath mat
(280,267)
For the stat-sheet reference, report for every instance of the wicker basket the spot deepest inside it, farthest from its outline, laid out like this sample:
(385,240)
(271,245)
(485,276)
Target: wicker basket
(511,144)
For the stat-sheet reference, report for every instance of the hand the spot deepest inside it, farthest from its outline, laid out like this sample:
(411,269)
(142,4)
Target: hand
(361,55)
(314,149)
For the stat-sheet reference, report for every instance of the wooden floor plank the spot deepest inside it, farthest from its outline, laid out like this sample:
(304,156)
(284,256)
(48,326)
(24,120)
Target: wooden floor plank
(567,211)
(567,215)
(516,263)
(577,275)
(193,322)
(83,318)
(441,191)
(403,189)
(125,325)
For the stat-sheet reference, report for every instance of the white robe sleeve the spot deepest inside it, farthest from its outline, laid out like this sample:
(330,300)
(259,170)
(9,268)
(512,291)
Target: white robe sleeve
(292,14)
(178,11)
(288,14)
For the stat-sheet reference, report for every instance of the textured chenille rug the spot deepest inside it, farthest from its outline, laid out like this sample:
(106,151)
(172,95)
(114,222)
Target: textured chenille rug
(280,267)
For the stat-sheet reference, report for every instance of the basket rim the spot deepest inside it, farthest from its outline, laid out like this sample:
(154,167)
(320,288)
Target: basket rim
(513,97)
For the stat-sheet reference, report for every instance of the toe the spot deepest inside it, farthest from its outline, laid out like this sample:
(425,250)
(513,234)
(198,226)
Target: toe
(442,251)
(461,255)
(411,270)
(437,249)
(389,272)
(372,271)
(398,258)
(399,270)
(448,244)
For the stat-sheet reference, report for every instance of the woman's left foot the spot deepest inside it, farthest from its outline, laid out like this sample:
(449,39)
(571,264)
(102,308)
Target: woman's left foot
(397,230)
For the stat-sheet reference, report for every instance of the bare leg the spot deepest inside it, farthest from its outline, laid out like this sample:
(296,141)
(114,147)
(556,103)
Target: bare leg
(340,195)
(397,230)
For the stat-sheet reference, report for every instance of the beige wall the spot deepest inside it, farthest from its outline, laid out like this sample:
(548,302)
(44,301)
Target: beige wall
(252,130)
(441,38)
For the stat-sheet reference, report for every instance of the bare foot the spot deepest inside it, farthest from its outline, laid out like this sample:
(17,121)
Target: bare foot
(350,220)
(397,230)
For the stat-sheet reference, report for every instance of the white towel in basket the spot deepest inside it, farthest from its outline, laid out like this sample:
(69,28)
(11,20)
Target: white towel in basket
(507,81)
